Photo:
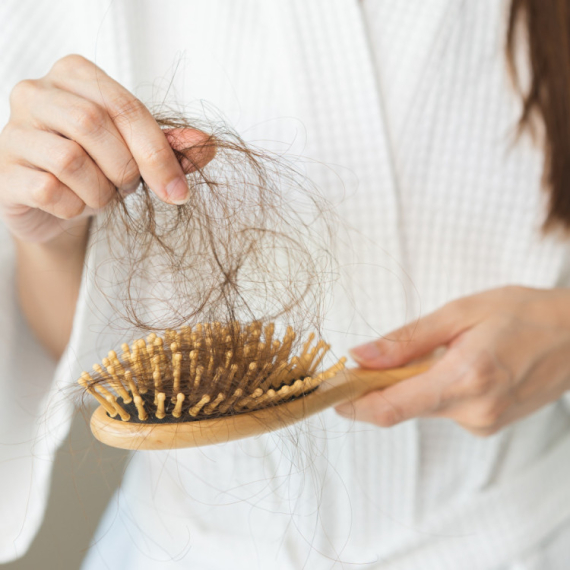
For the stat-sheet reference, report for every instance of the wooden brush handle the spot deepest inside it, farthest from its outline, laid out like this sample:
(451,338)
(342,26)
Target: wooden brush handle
(347,385)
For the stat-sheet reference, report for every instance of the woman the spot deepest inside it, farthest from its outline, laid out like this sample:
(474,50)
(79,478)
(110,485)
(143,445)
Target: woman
(409,108)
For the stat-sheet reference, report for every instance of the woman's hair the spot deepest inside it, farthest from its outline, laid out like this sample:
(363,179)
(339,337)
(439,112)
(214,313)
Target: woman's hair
(544,26)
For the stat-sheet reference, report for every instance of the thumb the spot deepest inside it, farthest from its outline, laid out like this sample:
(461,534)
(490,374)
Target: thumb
(416,339)
(194,148)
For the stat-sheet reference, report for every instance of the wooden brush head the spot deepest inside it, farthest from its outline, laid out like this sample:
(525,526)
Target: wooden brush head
(205,372)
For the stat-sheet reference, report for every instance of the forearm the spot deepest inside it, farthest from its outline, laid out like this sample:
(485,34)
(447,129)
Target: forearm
(48,280)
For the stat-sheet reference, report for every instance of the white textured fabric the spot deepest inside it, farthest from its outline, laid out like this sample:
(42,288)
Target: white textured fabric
(406,116)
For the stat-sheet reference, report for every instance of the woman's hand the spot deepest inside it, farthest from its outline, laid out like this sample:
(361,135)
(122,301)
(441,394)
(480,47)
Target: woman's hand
(73,139)
(508,354)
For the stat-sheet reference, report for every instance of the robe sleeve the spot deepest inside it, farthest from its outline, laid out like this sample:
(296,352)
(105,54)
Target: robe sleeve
(40,397)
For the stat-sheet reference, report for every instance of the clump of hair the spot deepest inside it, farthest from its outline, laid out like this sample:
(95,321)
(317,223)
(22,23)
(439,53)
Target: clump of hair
(251,245)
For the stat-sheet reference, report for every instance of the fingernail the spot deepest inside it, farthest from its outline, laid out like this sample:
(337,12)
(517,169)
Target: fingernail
(366,352)
(177,191)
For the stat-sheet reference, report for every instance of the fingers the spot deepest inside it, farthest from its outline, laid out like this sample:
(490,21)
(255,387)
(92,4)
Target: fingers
(483,416)
(47,193)
(90,126)
(421,395)
(418,338)
(466,385)
(141,133)
(82,103)
(67,161)
(76,136)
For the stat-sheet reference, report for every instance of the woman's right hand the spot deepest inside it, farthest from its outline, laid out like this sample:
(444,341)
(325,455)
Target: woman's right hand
(74,138)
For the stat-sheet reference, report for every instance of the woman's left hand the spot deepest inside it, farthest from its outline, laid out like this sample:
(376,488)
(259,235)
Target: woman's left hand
(508,354)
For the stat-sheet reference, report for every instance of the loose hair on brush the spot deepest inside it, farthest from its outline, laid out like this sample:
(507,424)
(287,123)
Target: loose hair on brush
(228,285)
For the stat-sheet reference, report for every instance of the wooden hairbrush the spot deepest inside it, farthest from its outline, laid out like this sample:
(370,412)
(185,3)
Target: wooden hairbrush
(212,383)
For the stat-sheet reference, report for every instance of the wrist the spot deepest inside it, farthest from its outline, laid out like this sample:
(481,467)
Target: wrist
(48,281)
(69,244)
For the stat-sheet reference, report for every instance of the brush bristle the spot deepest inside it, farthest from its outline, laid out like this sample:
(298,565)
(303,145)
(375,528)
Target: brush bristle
(207,371)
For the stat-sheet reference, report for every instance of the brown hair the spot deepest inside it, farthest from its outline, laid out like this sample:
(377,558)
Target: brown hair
(252,244)
(546,31)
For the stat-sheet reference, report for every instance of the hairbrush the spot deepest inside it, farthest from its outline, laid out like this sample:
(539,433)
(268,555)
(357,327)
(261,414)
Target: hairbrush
(215,383)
